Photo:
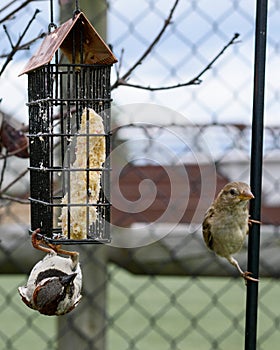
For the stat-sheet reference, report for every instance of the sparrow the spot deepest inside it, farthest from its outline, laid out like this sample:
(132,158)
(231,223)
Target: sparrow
(55,282)
(226,223)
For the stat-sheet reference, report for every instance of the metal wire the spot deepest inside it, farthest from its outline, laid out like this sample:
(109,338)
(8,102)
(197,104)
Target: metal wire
(51,25)
(77,5)
(77,8)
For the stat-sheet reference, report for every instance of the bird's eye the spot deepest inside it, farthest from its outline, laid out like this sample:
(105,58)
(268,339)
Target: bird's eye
(233,192)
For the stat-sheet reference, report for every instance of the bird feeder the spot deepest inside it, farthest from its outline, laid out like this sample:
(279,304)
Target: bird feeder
(69,134)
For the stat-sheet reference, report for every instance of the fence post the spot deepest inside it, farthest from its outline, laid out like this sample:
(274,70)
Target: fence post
(256,173)
(84,328)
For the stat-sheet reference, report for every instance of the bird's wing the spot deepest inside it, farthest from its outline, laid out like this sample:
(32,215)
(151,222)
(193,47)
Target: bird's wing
(206,229)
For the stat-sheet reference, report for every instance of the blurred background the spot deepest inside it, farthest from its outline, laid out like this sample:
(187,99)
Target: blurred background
(156,286)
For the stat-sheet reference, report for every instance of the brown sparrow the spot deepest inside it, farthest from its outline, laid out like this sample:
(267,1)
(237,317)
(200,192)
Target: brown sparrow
(55,282)
(226,222)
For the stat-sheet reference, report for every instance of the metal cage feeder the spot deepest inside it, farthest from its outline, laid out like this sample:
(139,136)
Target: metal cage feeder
(69,134)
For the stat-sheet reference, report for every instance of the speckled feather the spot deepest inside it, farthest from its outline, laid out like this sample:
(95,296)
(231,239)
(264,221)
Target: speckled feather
(226,222)
(52,267)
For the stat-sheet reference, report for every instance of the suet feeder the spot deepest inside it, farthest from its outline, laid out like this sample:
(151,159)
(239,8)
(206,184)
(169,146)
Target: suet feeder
(69,134)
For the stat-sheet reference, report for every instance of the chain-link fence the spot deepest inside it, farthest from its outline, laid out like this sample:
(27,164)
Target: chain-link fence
(157,286)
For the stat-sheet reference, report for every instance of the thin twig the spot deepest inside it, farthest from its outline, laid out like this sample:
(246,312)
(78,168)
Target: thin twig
(13,153)
(26,45)
(3,171)
(11,14)
(8,35)
(22,174)
(16,46)
(7,5)
(15,199)
(119,66)
(122,80)
(194,81)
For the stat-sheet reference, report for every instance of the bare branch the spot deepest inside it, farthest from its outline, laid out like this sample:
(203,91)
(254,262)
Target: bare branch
(7,5)
(119,66)
(12,13)
(140,60)
(3,171)
(8,35)
(16,46)
(13,182)
(194,81)
(15,199)
(13,153)
(26,45)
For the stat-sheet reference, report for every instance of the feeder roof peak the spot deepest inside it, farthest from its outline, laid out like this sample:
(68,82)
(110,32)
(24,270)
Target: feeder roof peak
(67,37)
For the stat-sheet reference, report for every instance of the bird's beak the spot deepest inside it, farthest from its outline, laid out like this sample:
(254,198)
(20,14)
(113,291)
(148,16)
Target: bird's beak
(66,280)
(246,195)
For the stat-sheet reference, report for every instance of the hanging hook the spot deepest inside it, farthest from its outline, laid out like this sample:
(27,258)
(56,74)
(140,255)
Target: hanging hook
(77,9)
(52,25)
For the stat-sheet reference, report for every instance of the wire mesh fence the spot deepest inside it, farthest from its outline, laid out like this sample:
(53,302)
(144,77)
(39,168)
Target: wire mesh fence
(157,286)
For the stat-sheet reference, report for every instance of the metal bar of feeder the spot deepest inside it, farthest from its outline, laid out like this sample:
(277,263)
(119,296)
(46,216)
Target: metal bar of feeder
(256,173)
(73,241)
(46,134)
(64,100)
(61,169)
(49,204)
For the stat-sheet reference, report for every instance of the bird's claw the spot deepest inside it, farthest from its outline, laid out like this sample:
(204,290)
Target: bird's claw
(252,221)
(38,241)
(247,277)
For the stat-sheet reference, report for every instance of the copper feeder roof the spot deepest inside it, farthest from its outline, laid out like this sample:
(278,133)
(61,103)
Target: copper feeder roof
(95,50)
